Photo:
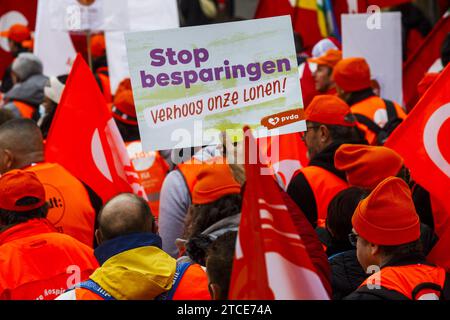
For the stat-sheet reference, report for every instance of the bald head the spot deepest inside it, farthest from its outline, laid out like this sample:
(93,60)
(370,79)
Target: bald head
(122,215)
(22,139)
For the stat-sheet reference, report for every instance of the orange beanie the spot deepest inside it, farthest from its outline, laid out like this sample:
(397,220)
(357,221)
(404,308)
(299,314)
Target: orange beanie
(17,32)
(328,109)
(367,166)
(98,46)
(214,182)
(123,107)
(352,74)
(387,216)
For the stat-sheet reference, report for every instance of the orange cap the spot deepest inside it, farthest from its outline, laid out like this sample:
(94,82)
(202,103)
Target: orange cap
(17,32)
(367,166)
(352,74)
(123,107)
(214,182)
(387,216)
(328,109)
(18,184)
(98,46)
(330,58)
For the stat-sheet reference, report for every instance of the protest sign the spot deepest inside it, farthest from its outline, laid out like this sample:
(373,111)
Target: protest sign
(190,84)
(142,16)
(377,38)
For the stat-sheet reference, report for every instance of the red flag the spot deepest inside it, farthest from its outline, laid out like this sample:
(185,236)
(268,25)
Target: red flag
(422,59)
(85,139)
(12,12)
(271,261)
(422,140)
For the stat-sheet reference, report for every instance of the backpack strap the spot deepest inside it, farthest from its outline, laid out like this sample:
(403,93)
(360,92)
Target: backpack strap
(390,109)
(179,272)
(95,288)
(368,123)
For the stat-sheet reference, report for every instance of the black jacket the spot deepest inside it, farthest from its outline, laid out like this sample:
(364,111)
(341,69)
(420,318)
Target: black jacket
(299,189)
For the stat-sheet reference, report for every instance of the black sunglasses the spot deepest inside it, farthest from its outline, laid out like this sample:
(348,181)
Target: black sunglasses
(353,238)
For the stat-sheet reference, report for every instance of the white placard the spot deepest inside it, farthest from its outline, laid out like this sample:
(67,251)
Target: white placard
(380,45)
(142,16)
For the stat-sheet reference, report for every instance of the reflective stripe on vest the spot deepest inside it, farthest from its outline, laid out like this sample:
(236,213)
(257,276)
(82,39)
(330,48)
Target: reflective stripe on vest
(70,209)
(413,281)
(151,169)
(374,108)
(325,185)
(179,272)
(95,288)
(26,111)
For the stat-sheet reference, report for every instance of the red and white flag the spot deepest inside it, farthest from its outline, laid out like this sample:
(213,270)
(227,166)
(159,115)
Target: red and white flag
(85,139)
(422,59)
(271,261)
(422,141)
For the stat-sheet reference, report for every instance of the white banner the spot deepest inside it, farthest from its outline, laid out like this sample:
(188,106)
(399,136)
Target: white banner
(53,47)
(378,39)
(142,16)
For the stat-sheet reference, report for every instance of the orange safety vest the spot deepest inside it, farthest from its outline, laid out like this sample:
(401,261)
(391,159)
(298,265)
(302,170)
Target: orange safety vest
(191,169)
(26,111)
(151,169)
(415,282)
(374,108)
(70,211)
(193,284)
(38,263)
(324,185)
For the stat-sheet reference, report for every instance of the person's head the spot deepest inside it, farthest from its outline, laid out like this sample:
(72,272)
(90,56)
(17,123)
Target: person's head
(124,113)
(351,75)
(21,144)
(445,51)
(219,265)
(340,212)
(26,65)
(216,196)
(22,198)
(324,71)
(17,34)
(124,214)
(321,47)
(98,51)
(328,119)
(5,115)
(366,166)
(385,224)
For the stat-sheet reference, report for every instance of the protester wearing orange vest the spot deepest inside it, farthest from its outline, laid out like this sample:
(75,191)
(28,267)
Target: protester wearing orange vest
(386,231)
(330,124)
(132,264)
(323,74)
(27,93)
(100,65)
(18,36)
(376,117)
(150,166)
(36,261)
(215,210)
(71,204)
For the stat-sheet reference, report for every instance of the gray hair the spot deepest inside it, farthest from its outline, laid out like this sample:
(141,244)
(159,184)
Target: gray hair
(27,65)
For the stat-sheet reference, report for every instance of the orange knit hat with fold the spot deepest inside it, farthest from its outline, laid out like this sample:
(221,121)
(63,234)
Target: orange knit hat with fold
(17,32)
(387,216)
(366,166)
(123,108)
(214,182)
(330,58)
(328,109)
(352,74)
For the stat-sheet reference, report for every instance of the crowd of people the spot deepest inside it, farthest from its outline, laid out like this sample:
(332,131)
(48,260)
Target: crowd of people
(361,209)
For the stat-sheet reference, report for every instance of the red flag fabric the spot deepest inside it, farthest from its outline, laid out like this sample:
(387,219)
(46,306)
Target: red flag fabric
(422,140)
(271,261)
(422,59)
(85,139)
(12,12)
